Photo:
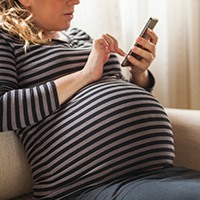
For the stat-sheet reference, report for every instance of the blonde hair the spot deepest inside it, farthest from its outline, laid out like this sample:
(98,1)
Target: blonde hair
(16,20)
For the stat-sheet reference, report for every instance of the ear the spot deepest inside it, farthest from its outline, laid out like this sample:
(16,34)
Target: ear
(25,3)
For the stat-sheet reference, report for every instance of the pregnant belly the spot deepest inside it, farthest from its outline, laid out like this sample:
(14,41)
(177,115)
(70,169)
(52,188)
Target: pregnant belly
(108,130)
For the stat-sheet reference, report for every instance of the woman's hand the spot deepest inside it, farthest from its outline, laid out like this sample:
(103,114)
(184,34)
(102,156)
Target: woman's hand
(148,53)
(102,47)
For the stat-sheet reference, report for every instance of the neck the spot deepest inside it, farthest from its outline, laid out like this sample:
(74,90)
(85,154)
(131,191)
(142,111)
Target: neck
(53,34)
(58,35)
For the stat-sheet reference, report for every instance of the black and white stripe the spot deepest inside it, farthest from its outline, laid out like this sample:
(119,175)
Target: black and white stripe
(108,130)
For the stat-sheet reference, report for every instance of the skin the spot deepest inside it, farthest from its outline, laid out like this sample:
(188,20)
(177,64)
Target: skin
(53,16)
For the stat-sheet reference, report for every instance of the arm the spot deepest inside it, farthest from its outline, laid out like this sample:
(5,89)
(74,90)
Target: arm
(27,106)
(93,70)
(21,107)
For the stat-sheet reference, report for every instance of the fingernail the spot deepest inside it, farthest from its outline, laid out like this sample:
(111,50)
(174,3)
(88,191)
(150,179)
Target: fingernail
(135,49)
(149,30)
(138,40)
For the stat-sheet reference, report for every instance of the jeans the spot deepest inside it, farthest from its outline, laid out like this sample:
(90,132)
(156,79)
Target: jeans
(173,183)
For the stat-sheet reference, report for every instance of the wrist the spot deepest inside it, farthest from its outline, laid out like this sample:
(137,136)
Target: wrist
(148,78)
(86,76)
(140,79)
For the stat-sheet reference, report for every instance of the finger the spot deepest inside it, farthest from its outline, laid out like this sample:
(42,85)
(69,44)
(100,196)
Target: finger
(153,36)
(100,43)
(146,55)
(121,52)
(110,41)
(114,40)
(114,47)
(147,45)
(137,67)
(134,61)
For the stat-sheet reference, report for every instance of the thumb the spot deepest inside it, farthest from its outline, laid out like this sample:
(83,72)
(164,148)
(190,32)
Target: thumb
(105,58)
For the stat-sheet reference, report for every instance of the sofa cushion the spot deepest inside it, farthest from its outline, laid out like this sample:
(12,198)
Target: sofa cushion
(14,170)
(24,197)
(186,129)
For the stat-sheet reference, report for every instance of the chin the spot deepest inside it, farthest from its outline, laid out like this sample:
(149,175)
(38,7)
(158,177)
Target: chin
(66,25)
(62,28)
(59,27)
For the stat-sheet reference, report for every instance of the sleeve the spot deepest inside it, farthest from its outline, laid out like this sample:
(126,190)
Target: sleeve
(20,108)
(79,38)
(149,88)
(151,82)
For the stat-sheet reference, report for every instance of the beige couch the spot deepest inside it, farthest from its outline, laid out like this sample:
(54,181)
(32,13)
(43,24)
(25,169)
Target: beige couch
(15,176)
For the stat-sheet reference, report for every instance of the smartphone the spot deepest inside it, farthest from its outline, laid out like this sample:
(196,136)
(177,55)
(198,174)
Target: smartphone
(149,25)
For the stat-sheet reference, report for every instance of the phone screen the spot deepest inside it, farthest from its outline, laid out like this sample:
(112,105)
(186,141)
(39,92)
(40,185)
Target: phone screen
(149,25)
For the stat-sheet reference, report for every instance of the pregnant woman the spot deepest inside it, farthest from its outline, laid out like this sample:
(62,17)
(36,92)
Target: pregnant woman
(87,132)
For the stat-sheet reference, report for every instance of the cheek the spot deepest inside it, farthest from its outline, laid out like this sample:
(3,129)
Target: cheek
(44,10)
(50,17)
(45,16)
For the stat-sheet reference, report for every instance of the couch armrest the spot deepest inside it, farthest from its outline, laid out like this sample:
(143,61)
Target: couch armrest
(186,129)
(15,174)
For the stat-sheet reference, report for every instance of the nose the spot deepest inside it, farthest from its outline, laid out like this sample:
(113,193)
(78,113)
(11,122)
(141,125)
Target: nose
(73,2)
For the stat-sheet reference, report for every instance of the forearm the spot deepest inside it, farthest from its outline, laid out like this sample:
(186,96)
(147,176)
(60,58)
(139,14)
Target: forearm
(68,85)
(23,107)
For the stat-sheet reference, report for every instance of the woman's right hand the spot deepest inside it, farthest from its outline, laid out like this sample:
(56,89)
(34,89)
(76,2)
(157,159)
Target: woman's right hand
(102,47)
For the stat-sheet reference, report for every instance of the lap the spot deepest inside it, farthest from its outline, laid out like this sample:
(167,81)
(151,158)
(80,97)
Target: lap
(171,183)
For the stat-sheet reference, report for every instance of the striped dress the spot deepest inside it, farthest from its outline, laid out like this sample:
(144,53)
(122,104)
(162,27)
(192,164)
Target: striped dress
(108,130)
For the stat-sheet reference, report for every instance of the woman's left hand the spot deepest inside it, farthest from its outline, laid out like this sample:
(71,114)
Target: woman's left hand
(148,53)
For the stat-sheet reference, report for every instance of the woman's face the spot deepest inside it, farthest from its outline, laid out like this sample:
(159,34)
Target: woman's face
(51,15)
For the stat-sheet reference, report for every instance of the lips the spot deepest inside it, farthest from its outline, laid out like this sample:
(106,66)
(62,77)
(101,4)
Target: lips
(69,15)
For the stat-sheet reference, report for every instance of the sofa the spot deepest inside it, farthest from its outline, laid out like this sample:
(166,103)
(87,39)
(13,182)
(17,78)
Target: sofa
(15,176)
